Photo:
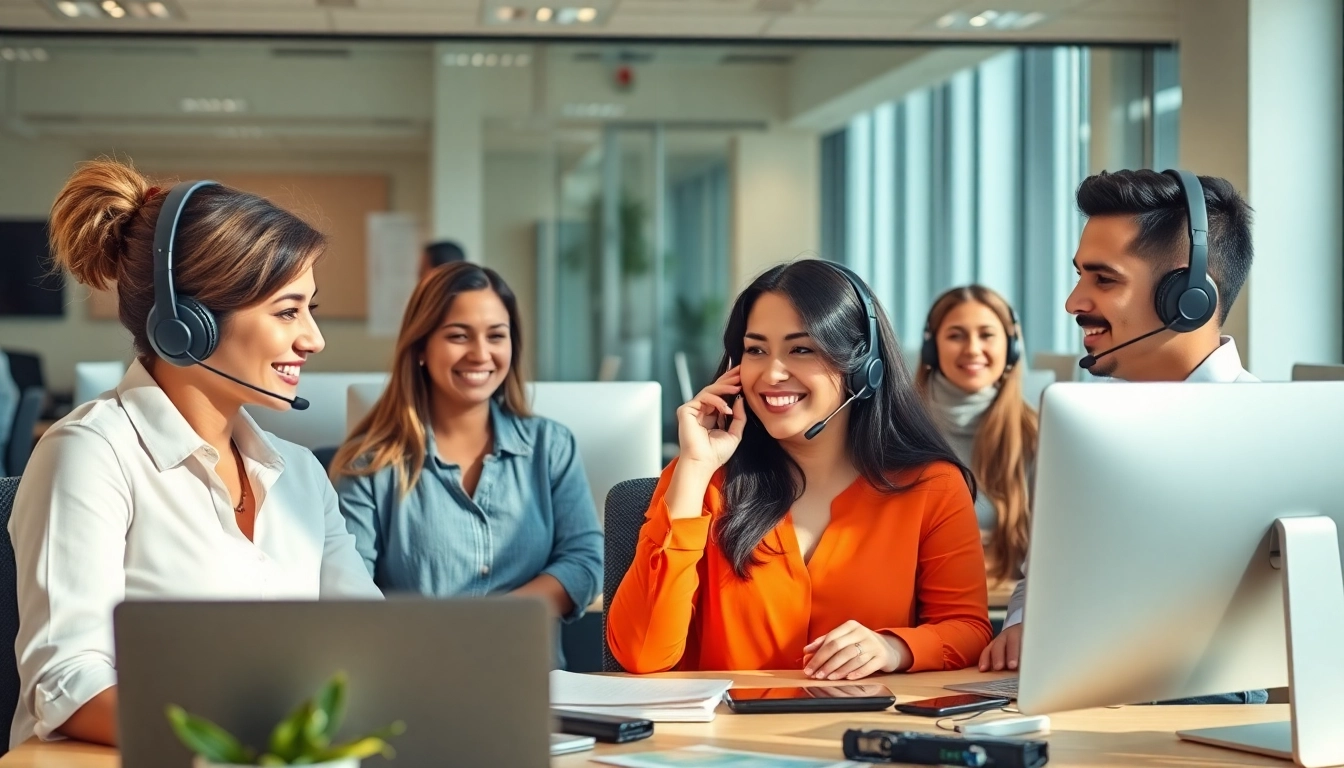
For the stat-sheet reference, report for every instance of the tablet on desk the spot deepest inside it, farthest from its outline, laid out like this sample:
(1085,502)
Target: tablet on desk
(869,697)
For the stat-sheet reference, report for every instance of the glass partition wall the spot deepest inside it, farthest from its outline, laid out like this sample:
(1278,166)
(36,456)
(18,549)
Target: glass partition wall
(626,191)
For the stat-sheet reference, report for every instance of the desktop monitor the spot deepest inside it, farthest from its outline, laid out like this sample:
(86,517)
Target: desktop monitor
(617,424)
(94,378)
(322,425)
(1172,524)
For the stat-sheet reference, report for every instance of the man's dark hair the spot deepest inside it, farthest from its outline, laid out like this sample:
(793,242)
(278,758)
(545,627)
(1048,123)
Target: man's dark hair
(444,252)
(1158,206)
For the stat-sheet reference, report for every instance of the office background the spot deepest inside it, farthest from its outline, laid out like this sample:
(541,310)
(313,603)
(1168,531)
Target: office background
(629,165)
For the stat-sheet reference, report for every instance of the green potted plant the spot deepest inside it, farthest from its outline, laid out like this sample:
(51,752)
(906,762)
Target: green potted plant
(303,738)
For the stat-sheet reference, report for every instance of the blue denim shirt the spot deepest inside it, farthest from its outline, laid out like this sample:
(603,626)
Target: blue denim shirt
(532,513)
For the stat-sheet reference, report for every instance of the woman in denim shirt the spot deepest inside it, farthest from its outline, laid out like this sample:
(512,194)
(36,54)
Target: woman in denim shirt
(449,485)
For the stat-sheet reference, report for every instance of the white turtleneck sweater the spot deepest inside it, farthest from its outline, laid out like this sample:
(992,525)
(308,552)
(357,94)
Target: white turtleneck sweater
(958,415)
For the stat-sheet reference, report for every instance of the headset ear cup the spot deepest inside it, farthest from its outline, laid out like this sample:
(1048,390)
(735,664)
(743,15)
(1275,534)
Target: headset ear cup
(1014,354)
(928,354)
(1167,298)
(201,322)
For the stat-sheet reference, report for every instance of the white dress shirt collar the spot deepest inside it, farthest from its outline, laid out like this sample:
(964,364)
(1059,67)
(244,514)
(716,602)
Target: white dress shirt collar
(167,436)
(1222,366)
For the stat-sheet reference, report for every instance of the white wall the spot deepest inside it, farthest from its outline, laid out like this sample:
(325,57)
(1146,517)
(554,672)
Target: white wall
(1297,143)
(776,201)
(1261,104)
(1214,116)
(517,198)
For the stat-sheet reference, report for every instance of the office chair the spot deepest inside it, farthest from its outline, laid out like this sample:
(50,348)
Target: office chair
(9,609)
(21,436)
(1309,372)
(626,504)
(25,368)
(325,454)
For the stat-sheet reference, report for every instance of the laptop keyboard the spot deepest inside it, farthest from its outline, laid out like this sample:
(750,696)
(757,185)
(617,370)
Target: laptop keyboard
(1004,687)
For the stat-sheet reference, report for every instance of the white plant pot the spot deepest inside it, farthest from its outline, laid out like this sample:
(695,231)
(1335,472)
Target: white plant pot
(349,762)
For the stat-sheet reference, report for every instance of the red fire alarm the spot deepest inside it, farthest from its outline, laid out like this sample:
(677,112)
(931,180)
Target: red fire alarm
(623,77)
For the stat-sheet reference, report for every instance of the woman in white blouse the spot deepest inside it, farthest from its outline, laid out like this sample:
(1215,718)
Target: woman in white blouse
(165,487)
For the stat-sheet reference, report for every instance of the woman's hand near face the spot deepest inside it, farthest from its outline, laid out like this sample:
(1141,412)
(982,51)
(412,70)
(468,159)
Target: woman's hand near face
(704,446)
(702,440)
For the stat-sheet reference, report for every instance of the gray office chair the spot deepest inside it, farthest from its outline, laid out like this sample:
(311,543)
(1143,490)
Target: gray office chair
(626,504)
(21,436)
(9,610)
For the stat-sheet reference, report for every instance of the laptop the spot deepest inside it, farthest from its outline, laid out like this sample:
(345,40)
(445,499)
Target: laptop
(1004,686)
(469,677)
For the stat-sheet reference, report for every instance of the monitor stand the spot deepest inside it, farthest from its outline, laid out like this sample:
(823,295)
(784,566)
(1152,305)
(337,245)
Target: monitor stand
(1307,550)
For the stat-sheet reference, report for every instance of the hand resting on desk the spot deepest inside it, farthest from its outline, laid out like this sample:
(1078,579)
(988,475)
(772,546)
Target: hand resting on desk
(851,651)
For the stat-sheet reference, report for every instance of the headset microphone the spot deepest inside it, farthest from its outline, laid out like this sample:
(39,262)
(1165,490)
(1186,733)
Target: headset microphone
(1090,360)
(297,403)
(815,429)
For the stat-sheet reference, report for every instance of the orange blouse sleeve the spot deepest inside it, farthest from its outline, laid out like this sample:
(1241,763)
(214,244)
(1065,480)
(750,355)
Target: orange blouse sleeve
(952,626)
(650,616)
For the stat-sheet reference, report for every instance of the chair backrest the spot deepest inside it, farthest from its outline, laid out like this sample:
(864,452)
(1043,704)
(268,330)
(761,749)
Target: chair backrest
(618,425)
(625,508)
(323,424)
(94,378)
(25,368)
(9,610)
(21,436)
(1065,366)
(1307,372)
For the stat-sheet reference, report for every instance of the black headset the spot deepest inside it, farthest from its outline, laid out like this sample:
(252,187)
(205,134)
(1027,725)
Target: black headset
(864,378)
(181,330)
(928,354)
(1186,298)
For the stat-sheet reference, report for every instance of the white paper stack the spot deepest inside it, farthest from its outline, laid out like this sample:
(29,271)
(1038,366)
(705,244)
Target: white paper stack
(661,700)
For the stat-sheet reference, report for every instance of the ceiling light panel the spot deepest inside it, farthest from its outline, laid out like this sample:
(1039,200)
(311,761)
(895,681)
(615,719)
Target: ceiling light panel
(545,13)
(113,10)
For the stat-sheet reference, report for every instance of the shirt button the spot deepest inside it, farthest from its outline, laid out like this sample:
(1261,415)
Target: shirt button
(485,570)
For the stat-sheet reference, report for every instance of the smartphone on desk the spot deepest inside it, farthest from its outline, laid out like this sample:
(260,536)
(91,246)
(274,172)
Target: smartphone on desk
(817,698)
(944,706)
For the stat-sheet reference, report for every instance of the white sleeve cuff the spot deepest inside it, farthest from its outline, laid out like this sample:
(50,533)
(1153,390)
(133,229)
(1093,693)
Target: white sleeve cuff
(1013,619)
(56,700)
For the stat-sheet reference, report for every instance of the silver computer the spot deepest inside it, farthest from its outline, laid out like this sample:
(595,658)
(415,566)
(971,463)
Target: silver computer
(1172,524)
(469,677)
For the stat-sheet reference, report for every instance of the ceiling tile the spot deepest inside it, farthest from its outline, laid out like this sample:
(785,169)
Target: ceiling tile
(883,7)
(678,25)
(257,20)
(407,22)
(689,6)
(811,25)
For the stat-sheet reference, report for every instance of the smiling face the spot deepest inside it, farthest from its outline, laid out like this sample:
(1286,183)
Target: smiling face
(788,384)
(468,356)
(268,344)
(1113,300)
(972,346)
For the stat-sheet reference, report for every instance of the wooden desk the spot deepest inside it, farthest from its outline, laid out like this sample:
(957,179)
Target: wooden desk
(1098,738)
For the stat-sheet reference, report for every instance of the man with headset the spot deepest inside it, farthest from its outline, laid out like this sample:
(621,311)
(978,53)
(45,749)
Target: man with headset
(1157,263)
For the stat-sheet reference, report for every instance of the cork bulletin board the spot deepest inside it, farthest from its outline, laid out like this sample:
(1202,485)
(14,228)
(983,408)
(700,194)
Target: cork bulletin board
(336,205)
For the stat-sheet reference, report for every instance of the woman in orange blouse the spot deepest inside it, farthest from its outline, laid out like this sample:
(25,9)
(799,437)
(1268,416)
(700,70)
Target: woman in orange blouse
(852,553)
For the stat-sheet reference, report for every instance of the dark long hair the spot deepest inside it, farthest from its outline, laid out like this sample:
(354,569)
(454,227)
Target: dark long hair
(888,433)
